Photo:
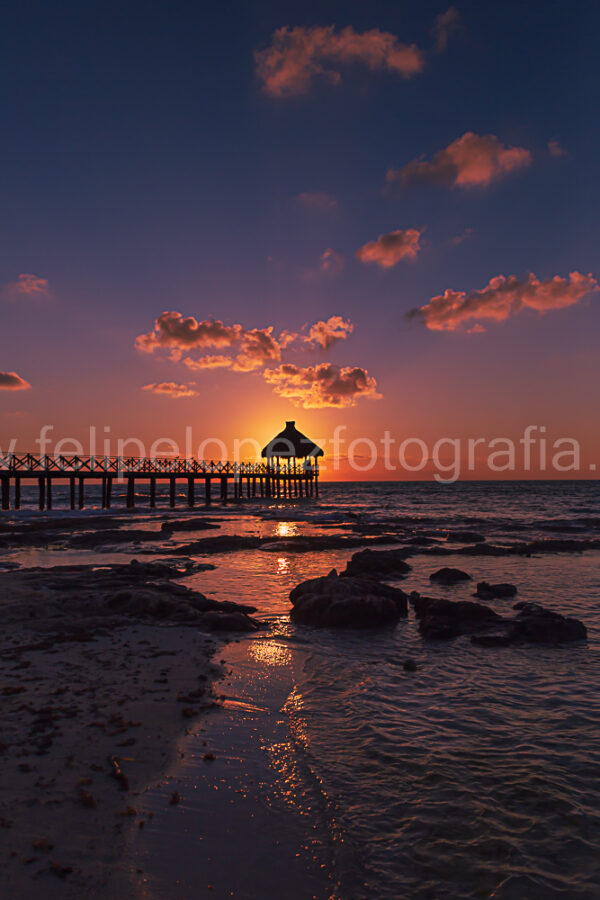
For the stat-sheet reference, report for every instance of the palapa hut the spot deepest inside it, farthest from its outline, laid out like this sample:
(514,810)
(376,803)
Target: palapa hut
(297,451)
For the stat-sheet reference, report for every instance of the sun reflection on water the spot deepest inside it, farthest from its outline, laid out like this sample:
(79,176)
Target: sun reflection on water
(285,529)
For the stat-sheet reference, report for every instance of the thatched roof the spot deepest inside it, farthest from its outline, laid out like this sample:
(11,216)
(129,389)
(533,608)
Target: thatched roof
(291,443)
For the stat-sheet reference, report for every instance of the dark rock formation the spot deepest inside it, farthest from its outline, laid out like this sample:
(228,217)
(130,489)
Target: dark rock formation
(378,562)
(488,591)
(351,601)
(449,576)
(535,625)
(441,619)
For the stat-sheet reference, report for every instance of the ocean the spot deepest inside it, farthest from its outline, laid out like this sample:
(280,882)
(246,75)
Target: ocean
(475,776)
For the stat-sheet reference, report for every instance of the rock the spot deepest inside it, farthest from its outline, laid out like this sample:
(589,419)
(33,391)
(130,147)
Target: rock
(441,619)
(229,621)
(490,591)
(409,665)
(538,625)
(195,524)
(534,625)
(449,576)
(351,601)
(378,562)
(466,537)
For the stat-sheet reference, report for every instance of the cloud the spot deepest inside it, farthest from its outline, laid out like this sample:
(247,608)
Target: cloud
(555,148)
(171,389)
(325,334)
(171,329)
(28,285)
(470,161)
(390,248)
(461,238)
(318,200)
(331,262)
(325,385)
(444,26)
(503,297)
(298,55)
(257,348)
(208,362)
(10,381)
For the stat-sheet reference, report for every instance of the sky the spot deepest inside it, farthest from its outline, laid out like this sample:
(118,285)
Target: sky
(376,219)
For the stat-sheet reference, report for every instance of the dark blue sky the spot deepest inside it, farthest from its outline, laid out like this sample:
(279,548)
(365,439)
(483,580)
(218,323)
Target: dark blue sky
(142,169)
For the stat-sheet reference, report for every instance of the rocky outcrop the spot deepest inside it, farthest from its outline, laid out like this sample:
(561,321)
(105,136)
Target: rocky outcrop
(378,563)
(346,602)
(441,619)
(535,625)
(449,576)
(488,591)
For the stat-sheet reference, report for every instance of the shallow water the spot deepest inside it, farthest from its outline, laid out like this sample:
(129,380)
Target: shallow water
(476,776)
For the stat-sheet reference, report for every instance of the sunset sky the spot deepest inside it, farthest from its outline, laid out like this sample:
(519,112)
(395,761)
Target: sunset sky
(381,216)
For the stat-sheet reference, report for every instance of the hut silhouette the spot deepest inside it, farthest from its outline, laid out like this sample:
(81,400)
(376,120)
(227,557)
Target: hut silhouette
(299,455)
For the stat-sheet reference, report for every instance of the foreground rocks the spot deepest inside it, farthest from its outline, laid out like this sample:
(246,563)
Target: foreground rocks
(441,619)
(449,576)
(336,601)
(488,591)
(378,562)
(87,597)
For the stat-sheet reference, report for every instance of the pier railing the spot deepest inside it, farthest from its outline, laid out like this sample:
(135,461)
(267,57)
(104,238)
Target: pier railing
(290,478)
(33,464)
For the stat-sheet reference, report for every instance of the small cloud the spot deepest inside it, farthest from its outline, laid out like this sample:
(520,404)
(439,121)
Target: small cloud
(317,200)
(28,285)
(476,329)
(555,148)
(171,389)
(208,362)
(323,386)
(390,249)
(472,160)
(325,334)
(331,262)
(461,238)
(297,56)
(503,297)
(444,26)
(10,381)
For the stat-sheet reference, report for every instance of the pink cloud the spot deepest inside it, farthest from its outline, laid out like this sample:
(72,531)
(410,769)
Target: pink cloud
(444,26)
(171,329)
(470,161)
(325,334)
(28,285)
(318,200)
(10,381)
(171,389)
(503,297)
(556,149)
(298,55)
(325,385)
(332,262)
(390,249)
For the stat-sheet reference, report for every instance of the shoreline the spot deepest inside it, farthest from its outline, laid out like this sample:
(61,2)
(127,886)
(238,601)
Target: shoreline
(93,711)
(245,794)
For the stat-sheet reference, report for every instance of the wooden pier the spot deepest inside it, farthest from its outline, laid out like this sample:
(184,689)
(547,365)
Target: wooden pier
(274,479)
